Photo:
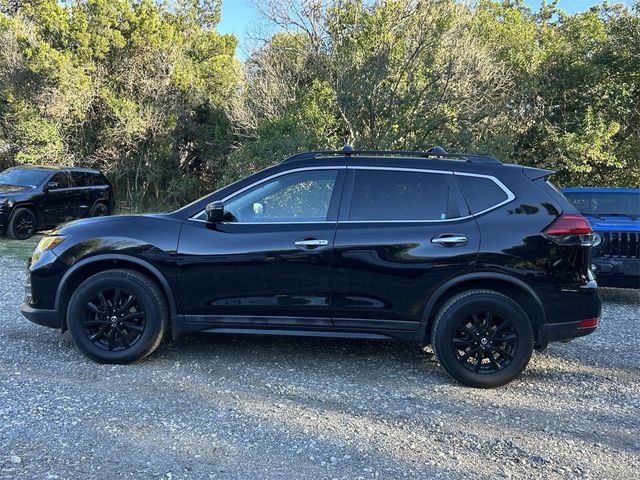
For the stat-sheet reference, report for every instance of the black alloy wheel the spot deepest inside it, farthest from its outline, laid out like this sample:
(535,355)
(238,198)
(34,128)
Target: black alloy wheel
(118,316)
(22,224)
(482,338)
(484,342)
(114,319)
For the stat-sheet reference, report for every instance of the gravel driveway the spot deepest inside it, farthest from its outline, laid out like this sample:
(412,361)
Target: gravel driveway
(275,407)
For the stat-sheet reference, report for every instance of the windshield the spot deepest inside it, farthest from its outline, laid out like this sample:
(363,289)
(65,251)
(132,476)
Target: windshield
(23,178)
(606,203)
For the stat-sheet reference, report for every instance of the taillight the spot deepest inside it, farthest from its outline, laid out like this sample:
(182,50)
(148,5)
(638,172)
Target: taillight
(588,323)
(570,230)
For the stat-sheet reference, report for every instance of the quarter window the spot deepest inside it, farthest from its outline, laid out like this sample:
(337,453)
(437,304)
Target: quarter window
(481,193)
(294,197)
(402,195)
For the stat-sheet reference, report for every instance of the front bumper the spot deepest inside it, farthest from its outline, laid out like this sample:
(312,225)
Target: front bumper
(47,318)
(617,272)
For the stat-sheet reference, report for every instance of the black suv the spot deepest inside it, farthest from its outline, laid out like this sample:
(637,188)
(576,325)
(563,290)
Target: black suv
(482,260)
(37,198)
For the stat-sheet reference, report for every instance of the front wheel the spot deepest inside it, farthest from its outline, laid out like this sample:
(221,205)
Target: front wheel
(482,338)
(22,224)
(117,316)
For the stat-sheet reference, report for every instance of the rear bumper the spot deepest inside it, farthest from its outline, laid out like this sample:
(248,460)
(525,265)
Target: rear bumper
(47,318)
(558,332)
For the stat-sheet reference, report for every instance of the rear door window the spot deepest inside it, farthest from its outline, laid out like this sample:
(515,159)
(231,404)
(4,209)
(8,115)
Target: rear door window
(79,179)
(380,195)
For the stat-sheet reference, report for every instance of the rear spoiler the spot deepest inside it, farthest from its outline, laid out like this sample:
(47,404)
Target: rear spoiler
(537,173)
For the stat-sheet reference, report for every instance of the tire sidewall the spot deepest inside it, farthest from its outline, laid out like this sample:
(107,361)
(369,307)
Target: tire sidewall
(503,306)
(153,318)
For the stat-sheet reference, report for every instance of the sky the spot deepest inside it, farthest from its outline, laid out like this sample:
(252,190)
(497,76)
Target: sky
(238,16)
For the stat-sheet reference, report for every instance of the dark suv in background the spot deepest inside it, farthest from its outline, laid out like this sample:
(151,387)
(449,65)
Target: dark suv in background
(38,198)
(483,261)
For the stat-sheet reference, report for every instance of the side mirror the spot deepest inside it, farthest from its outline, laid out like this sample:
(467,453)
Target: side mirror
(50,186)
(214,212)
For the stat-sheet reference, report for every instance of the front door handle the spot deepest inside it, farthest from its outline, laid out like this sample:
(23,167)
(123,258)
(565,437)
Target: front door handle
(449,239)
(311,243)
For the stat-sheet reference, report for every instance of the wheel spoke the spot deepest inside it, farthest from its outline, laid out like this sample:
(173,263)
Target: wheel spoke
(94,308)
(503,353)
(489,320)
(470,352)
(478,364)
(92,323)
(132,316)
(123,337)
(493,361)
(512,337)
(116,297)
(103,301)
(462,342)
(131,326)
(112,338)
(99,333)
(127,305)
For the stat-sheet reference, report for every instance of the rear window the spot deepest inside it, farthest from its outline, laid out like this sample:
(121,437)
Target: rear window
(481,193)
(606,203)
(402,195)
(87,179)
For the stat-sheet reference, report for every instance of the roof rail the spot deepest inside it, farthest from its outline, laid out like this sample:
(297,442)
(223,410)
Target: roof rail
(434,153)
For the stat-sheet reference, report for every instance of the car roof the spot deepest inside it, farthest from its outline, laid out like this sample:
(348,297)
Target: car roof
(53,169)
(600,190)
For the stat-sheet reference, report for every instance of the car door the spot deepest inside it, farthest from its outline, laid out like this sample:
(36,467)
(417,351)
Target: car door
(57,202)
(401,233)
(269,261)
(81,197)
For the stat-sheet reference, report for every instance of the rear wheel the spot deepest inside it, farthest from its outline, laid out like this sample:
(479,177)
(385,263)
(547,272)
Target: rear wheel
(482,338)
(22,224)
(117,316)
(100,210)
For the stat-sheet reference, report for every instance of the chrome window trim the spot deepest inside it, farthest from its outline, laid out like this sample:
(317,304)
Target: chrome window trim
(502,186)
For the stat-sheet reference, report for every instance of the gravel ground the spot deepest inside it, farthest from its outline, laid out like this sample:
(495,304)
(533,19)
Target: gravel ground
(275,407)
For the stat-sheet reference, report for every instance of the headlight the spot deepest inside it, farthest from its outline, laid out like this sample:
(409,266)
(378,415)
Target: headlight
(6,201)
(47,243)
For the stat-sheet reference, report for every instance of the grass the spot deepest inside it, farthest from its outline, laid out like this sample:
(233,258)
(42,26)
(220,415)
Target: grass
(19,249)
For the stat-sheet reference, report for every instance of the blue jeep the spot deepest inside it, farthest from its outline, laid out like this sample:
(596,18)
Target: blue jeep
(614,213)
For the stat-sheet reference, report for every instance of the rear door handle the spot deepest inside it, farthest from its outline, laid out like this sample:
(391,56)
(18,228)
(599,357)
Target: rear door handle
(449,239)
(311,243)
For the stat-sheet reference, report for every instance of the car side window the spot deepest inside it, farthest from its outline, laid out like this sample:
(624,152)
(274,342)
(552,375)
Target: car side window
(380,195)
(295,197)
(480,193)
(61,179)
(80,179)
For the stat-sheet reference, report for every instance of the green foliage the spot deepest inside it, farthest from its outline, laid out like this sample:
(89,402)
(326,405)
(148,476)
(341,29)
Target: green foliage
(153,95)
(135,88)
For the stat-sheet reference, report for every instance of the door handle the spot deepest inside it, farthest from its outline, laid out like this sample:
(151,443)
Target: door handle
(311,243)
(449,240)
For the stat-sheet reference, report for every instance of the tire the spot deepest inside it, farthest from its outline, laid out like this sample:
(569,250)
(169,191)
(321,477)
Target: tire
(123,330)
(476,326)
(100,210)
(22,225)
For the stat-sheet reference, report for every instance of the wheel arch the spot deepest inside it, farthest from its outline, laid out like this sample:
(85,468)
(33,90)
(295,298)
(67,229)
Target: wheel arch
(98,263)
(514,288)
